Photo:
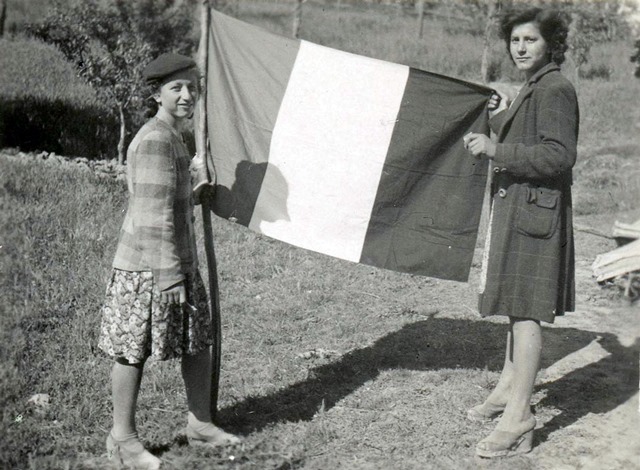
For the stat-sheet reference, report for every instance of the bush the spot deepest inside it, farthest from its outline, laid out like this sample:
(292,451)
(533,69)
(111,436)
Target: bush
(44,106)
(57,126)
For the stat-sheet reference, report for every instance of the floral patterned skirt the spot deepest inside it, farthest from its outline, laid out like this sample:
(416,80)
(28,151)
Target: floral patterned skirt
(136,326)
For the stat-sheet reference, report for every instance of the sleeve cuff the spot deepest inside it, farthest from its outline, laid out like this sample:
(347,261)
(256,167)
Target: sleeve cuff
(165,282)
(499,160)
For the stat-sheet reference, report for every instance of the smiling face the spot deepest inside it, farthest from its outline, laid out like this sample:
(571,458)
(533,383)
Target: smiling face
(177,96)
(528,48)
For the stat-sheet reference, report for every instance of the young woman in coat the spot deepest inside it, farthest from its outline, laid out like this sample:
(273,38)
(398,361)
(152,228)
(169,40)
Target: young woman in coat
(156,304)
(529,269)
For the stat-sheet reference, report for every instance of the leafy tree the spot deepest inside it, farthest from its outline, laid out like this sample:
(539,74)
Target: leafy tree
(110,42)
(580,41)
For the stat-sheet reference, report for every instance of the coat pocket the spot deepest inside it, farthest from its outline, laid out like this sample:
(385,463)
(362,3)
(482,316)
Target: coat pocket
(538,212)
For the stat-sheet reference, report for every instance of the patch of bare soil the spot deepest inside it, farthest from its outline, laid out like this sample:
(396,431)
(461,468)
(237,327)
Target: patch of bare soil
(595,423)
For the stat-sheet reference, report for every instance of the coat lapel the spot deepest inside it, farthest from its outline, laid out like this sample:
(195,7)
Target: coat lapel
(525,92)
(511,111)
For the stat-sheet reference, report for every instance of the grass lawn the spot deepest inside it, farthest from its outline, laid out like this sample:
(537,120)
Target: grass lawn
(326,364)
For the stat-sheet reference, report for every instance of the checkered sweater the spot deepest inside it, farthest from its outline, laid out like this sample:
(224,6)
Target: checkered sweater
(157,233)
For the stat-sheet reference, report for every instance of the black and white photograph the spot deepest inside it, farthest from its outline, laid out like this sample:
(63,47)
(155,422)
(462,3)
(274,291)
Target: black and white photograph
(320,234)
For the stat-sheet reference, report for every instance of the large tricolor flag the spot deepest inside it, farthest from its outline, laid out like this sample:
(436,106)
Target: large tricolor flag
(342,154)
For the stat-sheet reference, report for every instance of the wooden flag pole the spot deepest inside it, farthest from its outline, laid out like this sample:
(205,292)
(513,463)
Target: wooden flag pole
(202,151)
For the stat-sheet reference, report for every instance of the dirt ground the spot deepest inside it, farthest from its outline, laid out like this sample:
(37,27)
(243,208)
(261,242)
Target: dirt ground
(609,436)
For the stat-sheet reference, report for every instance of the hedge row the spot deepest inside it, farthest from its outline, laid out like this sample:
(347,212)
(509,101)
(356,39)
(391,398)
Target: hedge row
(45,106)
(32,124)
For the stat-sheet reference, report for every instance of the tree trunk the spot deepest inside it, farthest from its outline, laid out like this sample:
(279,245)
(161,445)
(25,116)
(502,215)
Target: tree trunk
(3,16)
(123,131)
(297,18)
(494,9)
(576,55)
(420,7)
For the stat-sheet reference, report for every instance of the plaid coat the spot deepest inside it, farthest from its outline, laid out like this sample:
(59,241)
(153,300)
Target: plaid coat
(157,234)
(530,271)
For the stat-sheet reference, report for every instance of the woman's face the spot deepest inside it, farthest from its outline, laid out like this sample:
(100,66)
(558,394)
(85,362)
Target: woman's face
(528,48)
(177,96)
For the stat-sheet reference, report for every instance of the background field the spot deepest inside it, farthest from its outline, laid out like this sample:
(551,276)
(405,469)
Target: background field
(326,364)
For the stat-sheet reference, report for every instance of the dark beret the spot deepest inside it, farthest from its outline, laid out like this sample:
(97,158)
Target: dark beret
(165,65)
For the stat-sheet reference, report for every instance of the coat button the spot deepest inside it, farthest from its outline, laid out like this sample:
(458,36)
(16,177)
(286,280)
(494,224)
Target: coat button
(496,170)
(502,192)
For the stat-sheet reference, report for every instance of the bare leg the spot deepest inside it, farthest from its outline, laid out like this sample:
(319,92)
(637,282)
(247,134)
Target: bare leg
(514,432)
(125,386)
(500,394)
(196,372)
(527,349)
(123,444)
(497,399)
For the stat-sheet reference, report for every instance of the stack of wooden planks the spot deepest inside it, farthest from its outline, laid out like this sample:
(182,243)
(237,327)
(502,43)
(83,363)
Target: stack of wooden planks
(622,265)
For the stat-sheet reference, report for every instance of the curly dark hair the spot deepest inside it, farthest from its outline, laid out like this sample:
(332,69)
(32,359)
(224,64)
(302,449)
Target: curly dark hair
(553,25)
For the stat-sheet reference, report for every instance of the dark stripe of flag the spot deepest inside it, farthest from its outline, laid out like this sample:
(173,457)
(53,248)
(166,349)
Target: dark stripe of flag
(428,204)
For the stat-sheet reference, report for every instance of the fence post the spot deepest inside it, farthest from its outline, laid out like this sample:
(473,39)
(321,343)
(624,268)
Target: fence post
(494,9)
(297,18)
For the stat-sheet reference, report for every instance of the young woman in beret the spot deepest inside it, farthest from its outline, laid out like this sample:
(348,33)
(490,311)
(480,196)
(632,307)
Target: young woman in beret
(156,304)
(529,270)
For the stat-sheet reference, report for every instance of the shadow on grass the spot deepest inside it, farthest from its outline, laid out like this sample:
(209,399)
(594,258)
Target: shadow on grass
(436,344)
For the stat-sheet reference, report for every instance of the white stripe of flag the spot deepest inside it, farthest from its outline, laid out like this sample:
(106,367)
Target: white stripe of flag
(330,188)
